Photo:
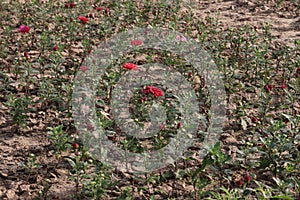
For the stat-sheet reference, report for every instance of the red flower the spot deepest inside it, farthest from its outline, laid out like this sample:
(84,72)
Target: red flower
(26,54)
(55,48)
(99,8)
(190,74)
(136,42)
(83,68)
(283,86)
(239,183)
(83,19)
(75,145)
(153,90)
(268,88)
(179,125)
(130,66)
(254,119)
(247,178)
(24,29)
(106,11)
(72,5)
(298,70)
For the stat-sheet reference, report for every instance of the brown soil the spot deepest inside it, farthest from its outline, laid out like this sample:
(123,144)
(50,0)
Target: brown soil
(284,17)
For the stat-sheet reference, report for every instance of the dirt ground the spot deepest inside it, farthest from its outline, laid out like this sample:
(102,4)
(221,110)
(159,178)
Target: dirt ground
(17,183)
(284,18)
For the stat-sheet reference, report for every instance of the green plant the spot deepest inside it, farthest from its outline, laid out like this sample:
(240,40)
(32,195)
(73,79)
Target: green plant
(96,184)
(18,109)
(60,139)
(31,164)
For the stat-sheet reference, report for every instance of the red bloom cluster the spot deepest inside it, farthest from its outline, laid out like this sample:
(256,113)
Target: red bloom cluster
(268,87)
(136,42)
(153,90)
(106,11)
(24,29)
(70,5)
(83,19)
(130,66)
(247,179)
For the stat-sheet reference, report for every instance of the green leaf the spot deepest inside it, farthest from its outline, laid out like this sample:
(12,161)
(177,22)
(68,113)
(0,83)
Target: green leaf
(71,162)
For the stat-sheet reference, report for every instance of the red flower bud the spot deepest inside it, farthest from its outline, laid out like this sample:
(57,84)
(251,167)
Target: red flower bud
(283,86)
(99,8)
(254,119)
(72,5)
(55,48)
(239,183)
(179,125)
(268,88)
(247,178)
(26,54)
(75,145)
